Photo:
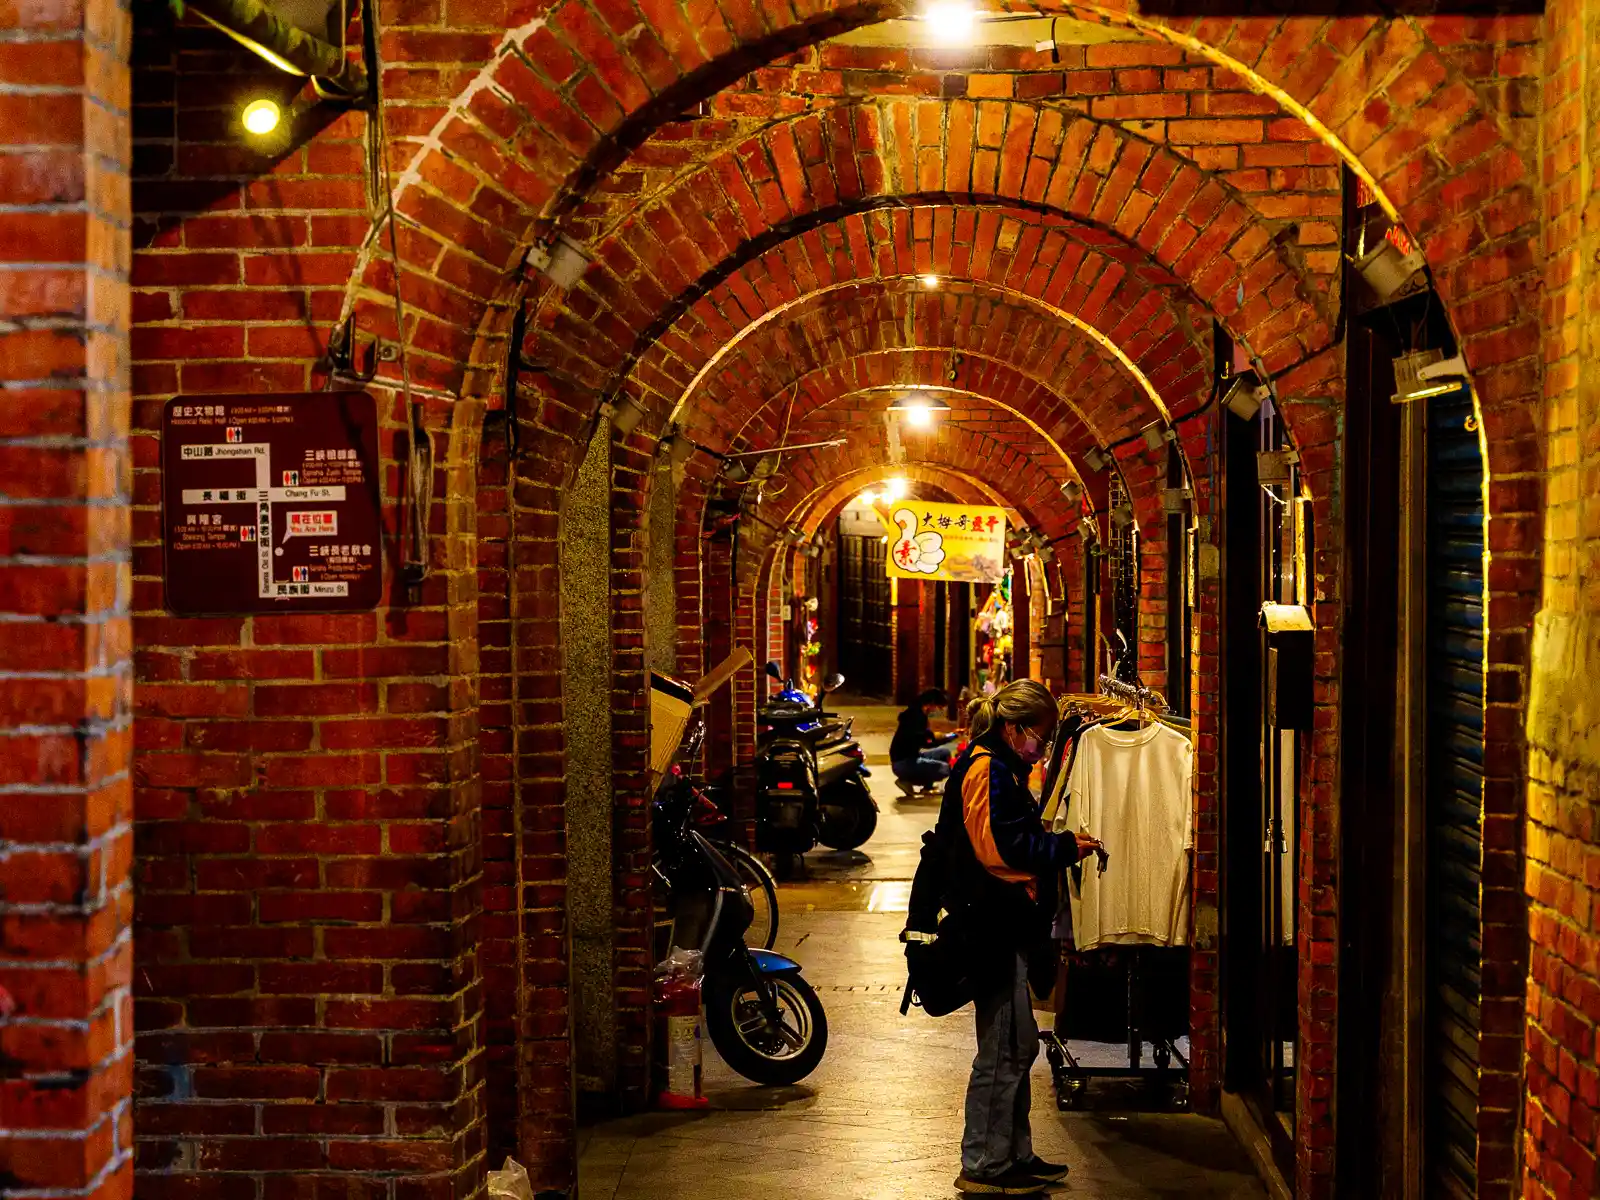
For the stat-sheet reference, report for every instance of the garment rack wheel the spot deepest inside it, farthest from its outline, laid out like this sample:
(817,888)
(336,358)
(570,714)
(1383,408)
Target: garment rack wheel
(1069,1085)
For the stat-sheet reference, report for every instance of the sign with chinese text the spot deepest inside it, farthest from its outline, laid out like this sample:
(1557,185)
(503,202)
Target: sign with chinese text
(959,543)
(271,503)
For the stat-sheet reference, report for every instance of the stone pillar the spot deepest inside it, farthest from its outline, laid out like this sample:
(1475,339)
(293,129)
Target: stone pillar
(1021,623)
(586,696)
(66,901)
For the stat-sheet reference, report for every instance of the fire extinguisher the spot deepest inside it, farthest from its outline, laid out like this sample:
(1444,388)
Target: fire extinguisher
(678,1007)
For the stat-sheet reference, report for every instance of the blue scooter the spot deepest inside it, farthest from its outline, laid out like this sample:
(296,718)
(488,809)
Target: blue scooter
(763,1018)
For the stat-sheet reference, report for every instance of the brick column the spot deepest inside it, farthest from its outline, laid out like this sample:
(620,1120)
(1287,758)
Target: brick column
(65,678)
(905,623)
(1021,623)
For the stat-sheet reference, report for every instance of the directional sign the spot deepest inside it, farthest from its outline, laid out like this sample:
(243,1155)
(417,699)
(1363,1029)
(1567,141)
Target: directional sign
(272,503)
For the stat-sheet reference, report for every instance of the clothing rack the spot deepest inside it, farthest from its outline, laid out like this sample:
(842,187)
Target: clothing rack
(1170,1076)
(1135,694)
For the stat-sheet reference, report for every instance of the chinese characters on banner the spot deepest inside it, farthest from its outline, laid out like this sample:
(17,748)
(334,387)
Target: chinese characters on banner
(959,543)
(270,503)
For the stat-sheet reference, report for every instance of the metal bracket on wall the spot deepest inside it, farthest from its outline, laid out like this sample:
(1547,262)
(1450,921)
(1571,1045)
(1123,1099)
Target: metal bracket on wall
(344,352)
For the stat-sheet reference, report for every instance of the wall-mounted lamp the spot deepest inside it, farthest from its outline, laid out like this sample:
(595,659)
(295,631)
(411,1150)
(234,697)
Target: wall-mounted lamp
(1391,272)
(261,116)
(1157,435)
(1245,395)
(561,260)
(1072,493)
(675,448)
(624,413)
(1427,373)
(794,535)
(1096,459)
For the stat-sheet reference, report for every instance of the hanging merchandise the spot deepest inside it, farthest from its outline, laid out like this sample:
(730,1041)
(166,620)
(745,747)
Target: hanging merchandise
(1132,790)
(811,646)
(993,637)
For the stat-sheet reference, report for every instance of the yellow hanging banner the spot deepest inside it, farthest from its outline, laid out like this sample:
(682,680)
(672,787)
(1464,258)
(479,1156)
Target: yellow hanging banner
(959,543)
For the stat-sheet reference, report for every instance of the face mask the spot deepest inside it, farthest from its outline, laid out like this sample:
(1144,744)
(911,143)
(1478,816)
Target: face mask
(1030,751)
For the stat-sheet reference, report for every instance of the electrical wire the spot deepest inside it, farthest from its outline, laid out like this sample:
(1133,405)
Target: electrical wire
(419,464)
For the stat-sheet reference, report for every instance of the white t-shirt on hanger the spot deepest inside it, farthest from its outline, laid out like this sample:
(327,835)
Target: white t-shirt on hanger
(1133,791)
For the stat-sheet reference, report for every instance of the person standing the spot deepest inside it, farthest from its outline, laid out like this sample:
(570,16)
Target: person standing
(918,757)
(1002,866)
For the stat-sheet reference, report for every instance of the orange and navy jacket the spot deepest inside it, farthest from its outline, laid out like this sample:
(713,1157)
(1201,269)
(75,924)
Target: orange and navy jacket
(1001,817)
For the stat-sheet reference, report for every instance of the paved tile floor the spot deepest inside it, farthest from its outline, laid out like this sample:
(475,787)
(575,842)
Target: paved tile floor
(881,1117)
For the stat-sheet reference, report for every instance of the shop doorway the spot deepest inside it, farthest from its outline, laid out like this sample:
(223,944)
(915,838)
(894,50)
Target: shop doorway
(866,651)
(1264,549)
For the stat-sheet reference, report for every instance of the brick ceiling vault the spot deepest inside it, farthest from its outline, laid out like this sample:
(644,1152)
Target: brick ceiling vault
(1207,145)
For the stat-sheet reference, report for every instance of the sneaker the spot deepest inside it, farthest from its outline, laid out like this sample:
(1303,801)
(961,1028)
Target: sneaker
(1014,1182)
(1042,1169)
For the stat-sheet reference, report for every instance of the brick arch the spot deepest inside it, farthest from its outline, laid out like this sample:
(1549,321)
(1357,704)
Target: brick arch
(1055,377)
(807,171)
(1378,90)
(1069,271)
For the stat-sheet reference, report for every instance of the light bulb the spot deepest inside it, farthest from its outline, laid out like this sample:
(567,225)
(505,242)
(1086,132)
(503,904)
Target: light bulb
(895,491)
(866,499)
(921,416)
(929,281)
(950,22)
(261,117)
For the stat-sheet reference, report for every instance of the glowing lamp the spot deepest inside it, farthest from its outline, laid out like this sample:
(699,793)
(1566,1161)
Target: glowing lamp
(261,117)
(950,22)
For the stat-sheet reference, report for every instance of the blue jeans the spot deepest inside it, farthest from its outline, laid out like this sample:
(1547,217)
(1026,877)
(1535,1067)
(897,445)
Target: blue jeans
(998,1135)
(928,768)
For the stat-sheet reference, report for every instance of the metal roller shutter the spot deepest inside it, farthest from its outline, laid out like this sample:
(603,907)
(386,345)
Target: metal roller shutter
(1455,547)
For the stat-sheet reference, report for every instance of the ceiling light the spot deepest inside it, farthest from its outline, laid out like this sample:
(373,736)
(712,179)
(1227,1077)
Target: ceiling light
(1072,492)
(1095,459)
(950,22)
(919,411)
(261,117)
(929,281)
(895,490)
(867,499)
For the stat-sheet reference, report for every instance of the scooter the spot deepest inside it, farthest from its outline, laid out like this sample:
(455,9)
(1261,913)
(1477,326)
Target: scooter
(811,776)
(762,1016)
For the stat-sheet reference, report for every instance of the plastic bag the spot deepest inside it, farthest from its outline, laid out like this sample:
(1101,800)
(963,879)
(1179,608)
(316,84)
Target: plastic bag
(511,1182)
(680,964)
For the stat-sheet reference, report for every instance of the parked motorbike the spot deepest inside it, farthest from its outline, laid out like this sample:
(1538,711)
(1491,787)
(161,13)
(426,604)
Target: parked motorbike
(710,817)
(763,1018)
(810,777)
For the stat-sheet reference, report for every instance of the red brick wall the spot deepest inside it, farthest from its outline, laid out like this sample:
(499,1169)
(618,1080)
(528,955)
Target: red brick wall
(1561,1146)
(66,956)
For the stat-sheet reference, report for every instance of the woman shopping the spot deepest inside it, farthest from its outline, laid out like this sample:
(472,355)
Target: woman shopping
(1002,870)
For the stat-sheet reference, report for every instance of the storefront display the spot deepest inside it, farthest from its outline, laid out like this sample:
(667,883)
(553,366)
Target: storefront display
(993,639)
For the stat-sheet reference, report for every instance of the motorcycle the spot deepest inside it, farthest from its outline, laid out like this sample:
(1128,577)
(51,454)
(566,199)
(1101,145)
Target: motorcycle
(811,777)
(711,819)
(764,1019)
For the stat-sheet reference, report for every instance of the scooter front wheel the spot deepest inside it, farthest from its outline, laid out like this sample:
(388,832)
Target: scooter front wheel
(767,1051)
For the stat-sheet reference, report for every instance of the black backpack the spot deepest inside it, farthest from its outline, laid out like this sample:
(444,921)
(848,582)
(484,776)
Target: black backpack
(938,955)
